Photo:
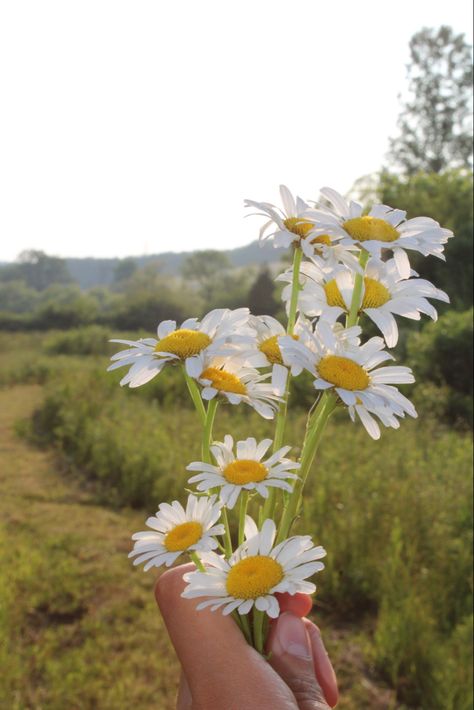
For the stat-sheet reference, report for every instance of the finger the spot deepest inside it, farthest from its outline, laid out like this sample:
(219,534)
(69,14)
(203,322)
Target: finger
(292,658)
(184,700)
(299,604)
(322,665)
(222,670)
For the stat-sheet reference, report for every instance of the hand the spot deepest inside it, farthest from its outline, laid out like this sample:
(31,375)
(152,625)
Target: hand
(222,672)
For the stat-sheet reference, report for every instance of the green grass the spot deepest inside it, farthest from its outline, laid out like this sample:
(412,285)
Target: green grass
(394,600)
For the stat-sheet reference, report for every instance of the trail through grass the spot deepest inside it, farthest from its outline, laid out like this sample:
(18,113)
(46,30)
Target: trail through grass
(80,628)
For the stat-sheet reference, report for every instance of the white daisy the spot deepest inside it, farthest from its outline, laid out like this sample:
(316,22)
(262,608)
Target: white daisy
(265,351)
(353,374)
(213,335)
(384,294)
(255,572)
(290,224)
(383,228)
(231,378)
(244,471)
(176,530)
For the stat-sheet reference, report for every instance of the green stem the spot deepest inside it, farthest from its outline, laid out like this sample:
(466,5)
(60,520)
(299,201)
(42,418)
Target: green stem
(227,537)
(195,396)
(258,639)
(318,424)
(269,506)
(207,432)
(295,287)
(197,561)
(353,316)
(245,626)
(244,499)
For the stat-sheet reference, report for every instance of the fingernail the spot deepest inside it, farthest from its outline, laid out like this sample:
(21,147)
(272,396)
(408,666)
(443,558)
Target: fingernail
(291,636)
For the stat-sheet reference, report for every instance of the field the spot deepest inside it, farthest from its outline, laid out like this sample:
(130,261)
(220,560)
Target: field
(84,462)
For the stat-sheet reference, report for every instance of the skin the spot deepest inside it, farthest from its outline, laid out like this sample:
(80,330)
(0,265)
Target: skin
(222,672)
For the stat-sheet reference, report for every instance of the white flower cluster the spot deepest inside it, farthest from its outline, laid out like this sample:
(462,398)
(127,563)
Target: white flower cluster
(348,266)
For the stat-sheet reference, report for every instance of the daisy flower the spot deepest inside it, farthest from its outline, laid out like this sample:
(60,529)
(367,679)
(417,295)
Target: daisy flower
(245,470)
(383,228)
(255,572)
(266,350)
(290,224)
(384,294)
(212,335)
(231,378)
(353,374)
(176,530)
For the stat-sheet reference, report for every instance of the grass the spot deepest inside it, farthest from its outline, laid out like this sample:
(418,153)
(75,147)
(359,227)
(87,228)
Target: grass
(82,631)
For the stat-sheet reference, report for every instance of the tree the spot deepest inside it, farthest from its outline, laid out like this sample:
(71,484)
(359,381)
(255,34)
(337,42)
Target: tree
(435,125)
(37,270)
(203,267)
(261,296)
(448,199)
(124,269)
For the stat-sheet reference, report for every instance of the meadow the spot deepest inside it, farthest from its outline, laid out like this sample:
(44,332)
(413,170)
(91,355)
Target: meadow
(84,462)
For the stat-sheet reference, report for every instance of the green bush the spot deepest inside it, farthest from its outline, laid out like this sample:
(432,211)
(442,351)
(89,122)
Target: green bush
(441,354)
(90,340)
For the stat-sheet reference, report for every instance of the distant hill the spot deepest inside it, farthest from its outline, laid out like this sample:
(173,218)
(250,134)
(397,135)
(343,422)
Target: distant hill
(90,272)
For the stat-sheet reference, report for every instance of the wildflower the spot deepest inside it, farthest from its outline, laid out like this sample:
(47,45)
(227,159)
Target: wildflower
(244,470)
(213,335)
(232,379)
(255,572)
(383,228)
(353,373)
(176,530)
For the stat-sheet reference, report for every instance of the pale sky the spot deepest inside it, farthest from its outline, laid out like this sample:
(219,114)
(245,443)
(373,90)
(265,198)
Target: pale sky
(140,127)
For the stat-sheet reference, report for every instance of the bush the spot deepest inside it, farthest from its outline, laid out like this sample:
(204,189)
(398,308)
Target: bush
(90,340)
(441,354)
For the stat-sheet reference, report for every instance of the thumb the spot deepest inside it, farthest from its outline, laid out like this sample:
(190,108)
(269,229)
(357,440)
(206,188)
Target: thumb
(292,658)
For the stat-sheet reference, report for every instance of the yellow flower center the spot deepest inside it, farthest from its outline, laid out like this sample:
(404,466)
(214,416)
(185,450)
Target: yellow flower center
(298,226)
(183,536)
(253,577)
(322,239)
(333,295)
(183,343)
(375,295)
(223,381)
(342,372)
(245,471)
(364,228)
(271,349)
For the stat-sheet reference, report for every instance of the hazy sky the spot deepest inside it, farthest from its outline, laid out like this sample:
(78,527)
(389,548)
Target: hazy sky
(140,127)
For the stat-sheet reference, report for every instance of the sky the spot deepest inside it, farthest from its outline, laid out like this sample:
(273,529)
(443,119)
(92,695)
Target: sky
(134,128)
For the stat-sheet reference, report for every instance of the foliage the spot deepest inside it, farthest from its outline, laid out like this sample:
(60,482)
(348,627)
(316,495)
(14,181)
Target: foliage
(91,340)
(448,199)
(37,270)
(442,354)
(261,299)
(412,576)
(435,125)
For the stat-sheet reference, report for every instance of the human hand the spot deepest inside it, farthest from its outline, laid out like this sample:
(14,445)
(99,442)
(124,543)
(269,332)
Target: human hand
(222,672)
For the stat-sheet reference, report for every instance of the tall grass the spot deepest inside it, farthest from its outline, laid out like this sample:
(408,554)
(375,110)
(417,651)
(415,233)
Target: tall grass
(394,515)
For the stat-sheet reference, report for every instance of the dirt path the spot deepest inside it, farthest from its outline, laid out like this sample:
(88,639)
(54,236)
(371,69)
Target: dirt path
(80,626)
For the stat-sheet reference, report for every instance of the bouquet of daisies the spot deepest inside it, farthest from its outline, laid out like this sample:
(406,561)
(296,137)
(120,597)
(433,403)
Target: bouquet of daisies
(348,267)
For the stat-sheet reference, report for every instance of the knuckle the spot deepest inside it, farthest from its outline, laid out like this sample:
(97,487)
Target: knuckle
(308,693)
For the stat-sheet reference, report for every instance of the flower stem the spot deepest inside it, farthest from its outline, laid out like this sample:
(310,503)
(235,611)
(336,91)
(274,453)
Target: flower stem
(207,432)
(258,640)
(319,420)
(227,537)
(244,499)
(353,316)
(195,558)
(295,287)
(269,506)
(195,396)
(245,626)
